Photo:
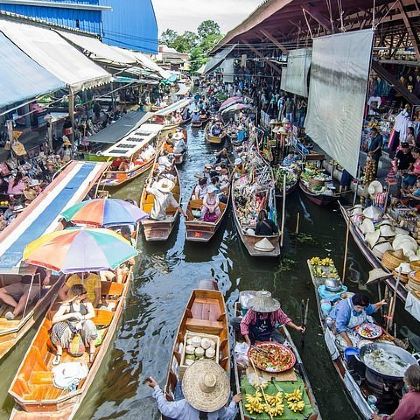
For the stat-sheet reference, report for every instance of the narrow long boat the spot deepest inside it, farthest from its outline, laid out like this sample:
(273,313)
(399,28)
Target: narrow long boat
(292,180)
(33,387)
(70,186)
(260,174)
(198,230)
(161,116)
(205,316)
(214,139)
(159,230)
(354,382)
(317,198)
(137,150)
(298,371)
(196,124)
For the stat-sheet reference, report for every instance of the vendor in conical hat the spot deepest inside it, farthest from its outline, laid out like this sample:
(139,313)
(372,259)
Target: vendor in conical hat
(206,390)
(263,318)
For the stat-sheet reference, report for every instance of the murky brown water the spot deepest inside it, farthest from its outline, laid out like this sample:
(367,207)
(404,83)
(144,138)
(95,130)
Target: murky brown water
(165,278)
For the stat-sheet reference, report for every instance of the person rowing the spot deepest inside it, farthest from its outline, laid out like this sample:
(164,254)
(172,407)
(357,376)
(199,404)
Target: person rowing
(263,318)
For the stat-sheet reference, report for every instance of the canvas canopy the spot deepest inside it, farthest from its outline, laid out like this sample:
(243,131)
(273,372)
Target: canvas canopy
(56,55)
(98,50)
(215,62)
(21,77)
(174,107)
(294,78)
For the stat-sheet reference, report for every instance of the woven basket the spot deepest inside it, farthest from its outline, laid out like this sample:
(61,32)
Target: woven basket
(403,277)
(315,182)
(392,259)
(415,265)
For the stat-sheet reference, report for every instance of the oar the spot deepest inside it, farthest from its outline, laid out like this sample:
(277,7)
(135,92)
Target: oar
(259,383)
(305,319)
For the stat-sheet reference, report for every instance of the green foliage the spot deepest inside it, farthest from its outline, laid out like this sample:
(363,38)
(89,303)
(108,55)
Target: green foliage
(197,45)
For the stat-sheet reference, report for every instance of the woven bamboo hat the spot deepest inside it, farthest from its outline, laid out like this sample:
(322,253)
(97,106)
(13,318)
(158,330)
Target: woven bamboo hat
(367,226)
(164,185)
(372,212)
(263,302)
(206,386)
(375,187)
(372,238)
(264,245)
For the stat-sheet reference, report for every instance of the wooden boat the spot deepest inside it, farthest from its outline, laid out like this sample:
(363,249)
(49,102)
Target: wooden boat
(298,370)
(318,199)
(214,139)
(198,230)
(33,387)
(291,186)
(354,384)
(162,116)
(196,124)
(73,183)
(159,230)
(204,315)
(263,177)
(137,150)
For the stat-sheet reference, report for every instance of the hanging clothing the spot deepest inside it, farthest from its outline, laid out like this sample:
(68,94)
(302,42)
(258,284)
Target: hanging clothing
(402,122)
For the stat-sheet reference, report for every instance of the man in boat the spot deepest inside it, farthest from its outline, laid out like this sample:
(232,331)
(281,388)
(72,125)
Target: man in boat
(206,390)
(18,294)
(217,128)
(195,116)
(265,226)
(179,146)
(91,282)
(263,318)
(222,156)
(350,313)
(162,191)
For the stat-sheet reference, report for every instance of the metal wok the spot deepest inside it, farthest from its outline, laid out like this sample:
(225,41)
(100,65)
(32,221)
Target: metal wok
(390,349)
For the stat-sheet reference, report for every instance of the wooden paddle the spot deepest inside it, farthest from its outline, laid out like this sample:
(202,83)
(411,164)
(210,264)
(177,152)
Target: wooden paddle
(304,315)
(259,383)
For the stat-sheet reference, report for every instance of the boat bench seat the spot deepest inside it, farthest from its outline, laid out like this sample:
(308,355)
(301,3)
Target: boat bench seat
(103,317)
(149,199)
(40,377)
(211,327)
(196,204)
(147,207)
(111,288)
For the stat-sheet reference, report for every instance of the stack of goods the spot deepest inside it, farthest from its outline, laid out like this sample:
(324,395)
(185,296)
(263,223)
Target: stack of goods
(198,347)
(369,172)
(414,281)
(292,176)
(316,181)
(247,202)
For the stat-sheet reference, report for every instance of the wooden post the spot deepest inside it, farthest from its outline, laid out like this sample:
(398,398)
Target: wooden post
(346,250)
(283,215)
(297,223)
(71,113)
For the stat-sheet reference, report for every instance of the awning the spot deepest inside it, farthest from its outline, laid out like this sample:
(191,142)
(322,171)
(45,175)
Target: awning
(183,89)
(21,77)
(174,107)
(98,50)
(43,214)
(218,59)
(56,55)
(134,141)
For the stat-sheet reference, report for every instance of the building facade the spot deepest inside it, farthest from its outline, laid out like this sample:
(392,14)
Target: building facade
(125,23)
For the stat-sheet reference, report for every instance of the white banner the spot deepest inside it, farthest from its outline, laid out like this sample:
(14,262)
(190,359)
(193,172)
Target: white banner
(294,77)
(337,94)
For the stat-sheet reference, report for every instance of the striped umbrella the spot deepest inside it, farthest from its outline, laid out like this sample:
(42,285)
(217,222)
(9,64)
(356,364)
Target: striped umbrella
(104,212)
(78,250)
(230,101)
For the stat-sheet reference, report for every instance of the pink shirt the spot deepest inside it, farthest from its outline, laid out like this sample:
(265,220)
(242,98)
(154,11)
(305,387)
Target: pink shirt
(408,409)
(416,166)
(276,317)
(17,189)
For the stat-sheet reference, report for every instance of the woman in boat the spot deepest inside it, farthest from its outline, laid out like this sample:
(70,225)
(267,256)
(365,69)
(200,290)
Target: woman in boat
(206,390)
(201,189)
(263,318)
(409,406)
(179,146)
(216,130)
(74,316)
(210,212)
(195,117)
(350,313)
(265,226)
(222,156)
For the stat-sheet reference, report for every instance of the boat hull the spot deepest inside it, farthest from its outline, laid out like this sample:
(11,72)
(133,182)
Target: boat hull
(318,199)
(115,179)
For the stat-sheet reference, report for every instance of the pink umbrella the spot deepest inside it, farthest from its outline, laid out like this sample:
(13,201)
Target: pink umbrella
(235,108)
(230,101)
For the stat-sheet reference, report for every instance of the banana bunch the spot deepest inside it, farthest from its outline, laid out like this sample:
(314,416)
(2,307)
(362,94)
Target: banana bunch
(275,406)
(324,262)
(254,403)
(295,400)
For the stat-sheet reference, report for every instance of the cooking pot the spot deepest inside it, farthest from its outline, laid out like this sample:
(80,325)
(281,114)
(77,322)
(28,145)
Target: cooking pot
(390,349)
(333,285)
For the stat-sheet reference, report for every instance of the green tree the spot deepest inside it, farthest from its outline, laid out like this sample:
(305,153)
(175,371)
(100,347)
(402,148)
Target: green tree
(208,28)
(186,42)
(168,37)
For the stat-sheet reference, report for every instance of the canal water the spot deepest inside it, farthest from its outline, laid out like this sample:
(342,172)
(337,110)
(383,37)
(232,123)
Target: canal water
(169,271)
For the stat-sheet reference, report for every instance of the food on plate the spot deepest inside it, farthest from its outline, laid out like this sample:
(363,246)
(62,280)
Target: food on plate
(272,357)
(369,330)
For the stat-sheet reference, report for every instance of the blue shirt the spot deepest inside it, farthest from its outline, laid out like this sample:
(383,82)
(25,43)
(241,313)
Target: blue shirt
(342,314)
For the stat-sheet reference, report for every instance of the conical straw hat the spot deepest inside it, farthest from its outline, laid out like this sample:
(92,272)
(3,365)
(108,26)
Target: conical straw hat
(263,302)
(372,238)
(367,226)
(264,245)
(206,386)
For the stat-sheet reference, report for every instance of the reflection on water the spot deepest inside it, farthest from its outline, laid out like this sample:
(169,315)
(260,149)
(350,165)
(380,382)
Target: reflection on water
(169,271)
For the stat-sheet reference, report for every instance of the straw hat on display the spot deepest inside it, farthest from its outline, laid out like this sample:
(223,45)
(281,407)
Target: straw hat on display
(367,226)
(263,302)
(400,239)
(372,212)
(403,268)
(400,231)
(375,187)
(164,185)
(372,238)
(387,231)
(264,245)
(356,211)
(206,386)
(380,247)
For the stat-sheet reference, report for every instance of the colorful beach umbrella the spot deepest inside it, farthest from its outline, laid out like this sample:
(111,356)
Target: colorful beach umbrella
(104,212)
(235,108)
(78,250)
(230,101)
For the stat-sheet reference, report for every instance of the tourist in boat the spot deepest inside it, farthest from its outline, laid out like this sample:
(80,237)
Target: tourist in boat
(350,313)
(179,146)
(265,226)
(206,392)
(195,117)
(263,318)
(409,406)
(92,283)
(210,212)
(74,316)
(222,156)
(201,189)
(413,172)
(19,294)
(162,191)
(168,146)
(217,129)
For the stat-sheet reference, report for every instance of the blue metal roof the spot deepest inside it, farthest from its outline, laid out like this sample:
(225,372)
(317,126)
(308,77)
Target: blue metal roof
(131,24)
(21,77)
